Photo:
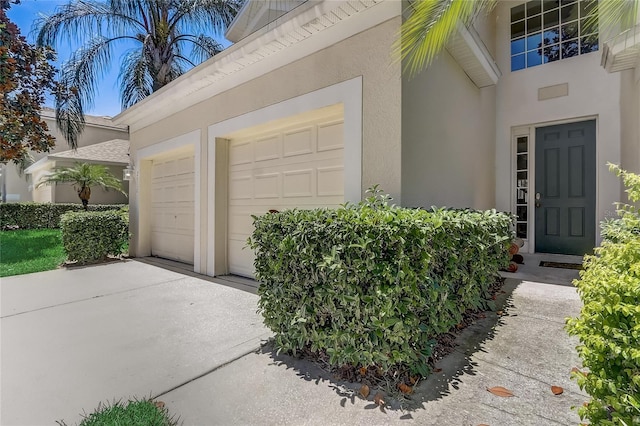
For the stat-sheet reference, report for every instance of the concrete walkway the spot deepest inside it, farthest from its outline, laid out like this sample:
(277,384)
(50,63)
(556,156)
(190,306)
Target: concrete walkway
(73,338)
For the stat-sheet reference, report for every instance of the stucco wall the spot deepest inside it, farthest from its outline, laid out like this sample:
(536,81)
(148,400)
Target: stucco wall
(65,193)
(593,93)
(448,139)
(365,54)
(630,120)
(18,186)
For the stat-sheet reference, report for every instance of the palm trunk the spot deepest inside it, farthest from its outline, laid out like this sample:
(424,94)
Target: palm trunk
(85,194)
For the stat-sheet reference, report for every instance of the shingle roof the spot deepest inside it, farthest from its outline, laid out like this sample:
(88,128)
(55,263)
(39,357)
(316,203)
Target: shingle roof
(113,151)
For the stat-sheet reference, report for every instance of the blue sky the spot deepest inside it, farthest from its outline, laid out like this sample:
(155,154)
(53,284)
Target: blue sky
(107,101)
(24,14)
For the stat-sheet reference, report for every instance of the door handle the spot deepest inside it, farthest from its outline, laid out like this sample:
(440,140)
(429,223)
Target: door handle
(538,197)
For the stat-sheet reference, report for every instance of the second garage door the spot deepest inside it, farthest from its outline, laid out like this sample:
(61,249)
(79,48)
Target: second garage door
(300,165)
(172,203)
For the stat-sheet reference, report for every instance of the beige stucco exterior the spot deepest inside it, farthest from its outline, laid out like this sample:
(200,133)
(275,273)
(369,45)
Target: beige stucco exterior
(21,188)
(448,139)
(593,93)
(356,59)
(441,138)
(630,120)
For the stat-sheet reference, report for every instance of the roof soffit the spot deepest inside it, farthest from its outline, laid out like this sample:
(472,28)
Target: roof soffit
(305,30)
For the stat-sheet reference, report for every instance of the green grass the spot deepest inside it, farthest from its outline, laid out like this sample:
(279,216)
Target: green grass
(136,412)
(30,250)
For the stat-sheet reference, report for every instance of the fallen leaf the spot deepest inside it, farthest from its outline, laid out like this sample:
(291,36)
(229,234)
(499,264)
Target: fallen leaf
(159,404)
(498,312)
(379,399)
(437,370)
(413,380)
(364,391)
(363,371)
(557,390)
(404,388)
(483,424)
(500,391)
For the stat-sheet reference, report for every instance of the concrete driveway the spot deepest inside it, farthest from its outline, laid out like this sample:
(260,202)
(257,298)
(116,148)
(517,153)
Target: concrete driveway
(73,338)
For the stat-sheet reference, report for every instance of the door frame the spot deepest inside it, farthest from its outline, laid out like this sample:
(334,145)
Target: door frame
(529,130)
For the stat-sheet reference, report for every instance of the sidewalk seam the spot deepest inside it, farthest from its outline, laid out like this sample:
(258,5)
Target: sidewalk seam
(89,298)
(199,376)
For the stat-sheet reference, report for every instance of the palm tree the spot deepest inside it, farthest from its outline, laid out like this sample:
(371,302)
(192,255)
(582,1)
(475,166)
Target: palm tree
(160,30)
(83,176)
(432,23)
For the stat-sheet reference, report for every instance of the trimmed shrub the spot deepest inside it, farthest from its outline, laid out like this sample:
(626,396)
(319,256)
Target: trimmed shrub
(92,236)
(373,284)
(43,215)
(609,323)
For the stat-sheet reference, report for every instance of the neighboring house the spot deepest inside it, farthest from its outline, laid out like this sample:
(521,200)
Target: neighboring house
(114,154)
(309,109)
(19,187)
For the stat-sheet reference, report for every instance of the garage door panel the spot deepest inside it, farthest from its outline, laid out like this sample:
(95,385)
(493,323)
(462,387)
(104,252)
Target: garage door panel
(330,181)
(299,142)
(298,183)
(296,167)
(269,148)
(172,205)
(241,153)
(240,187)
(240,257)
(330,136)
(267,185)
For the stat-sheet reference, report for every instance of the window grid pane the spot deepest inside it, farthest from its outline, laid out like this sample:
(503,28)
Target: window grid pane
(544,31)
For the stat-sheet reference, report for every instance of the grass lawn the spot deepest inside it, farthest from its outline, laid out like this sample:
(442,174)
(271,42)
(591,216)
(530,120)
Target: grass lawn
(30,250)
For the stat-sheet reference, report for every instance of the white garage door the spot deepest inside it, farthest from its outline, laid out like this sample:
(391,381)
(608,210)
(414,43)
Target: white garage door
(298,166)
(172,201)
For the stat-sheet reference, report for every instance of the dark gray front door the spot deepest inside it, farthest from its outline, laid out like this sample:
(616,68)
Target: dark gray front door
(566,188)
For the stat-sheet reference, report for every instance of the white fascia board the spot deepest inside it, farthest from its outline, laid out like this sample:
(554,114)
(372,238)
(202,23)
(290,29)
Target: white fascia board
(40,164)
(225,71)
(473,57)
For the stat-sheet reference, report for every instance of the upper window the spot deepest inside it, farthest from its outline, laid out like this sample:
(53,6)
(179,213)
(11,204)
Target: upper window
(549,30)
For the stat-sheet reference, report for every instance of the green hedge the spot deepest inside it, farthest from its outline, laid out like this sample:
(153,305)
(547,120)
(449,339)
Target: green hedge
(609,322)
(90,237)
(42,215)
(373,284)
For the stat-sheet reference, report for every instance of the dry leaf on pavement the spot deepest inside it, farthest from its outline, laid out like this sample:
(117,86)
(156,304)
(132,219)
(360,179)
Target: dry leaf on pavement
(500,391)
(364,391)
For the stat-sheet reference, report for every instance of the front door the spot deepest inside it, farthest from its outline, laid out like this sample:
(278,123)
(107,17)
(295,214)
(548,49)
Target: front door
(565,196)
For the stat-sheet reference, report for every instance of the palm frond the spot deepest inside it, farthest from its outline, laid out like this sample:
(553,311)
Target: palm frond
(205,15)
(136,82)
(79,19)
(83,175)
(612,16)
(80,76)
(203,47)
(430,26)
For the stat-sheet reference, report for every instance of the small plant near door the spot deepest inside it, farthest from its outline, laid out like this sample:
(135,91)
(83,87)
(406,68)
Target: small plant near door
(609,322)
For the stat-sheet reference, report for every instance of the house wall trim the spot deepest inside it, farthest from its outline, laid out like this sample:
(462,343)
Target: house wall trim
(348,93)
(140,204)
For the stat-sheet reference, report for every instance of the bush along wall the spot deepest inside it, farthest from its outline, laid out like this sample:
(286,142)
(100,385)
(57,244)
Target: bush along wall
(42,215)
(90,237)
(373,285)
(609,323)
